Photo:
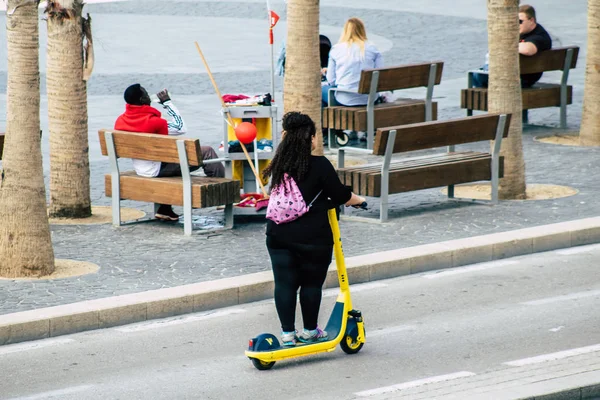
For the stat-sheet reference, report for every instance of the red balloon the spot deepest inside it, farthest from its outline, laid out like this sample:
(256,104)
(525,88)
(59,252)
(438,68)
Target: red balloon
(245,132)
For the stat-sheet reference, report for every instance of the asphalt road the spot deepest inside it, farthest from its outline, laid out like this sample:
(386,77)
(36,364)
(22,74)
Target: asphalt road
(473,319)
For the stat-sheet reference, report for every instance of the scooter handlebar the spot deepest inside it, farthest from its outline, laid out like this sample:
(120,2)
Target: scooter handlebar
(361,206)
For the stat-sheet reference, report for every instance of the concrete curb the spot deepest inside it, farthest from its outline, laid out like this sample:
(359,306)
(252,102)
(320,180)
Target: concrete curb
(161,303)
(588,392)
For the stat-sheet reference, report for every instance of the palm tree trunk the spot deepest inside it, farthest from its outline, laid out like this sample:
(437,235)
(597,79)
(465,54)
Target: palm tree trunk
(25,243)
(67,111)
(302,81)
(505,91)
(590,122)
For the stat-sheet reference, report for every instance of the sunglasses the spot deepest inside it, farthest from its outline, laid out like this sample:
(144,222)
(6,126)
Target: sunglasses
(521,21)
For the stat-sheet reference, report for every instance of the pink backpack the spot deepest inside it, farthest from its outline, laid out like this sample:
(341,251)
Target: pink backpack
(286,203)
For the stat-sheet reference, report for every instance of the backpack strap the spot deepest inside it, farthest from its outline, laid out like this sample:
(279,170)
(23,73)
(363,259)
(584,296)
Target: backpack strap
(313,200)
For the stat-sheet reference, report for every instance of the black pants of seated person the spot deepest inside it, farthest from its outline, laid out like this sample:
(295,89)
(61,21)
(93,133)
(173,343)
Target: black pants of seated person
(216,170)
(297,265)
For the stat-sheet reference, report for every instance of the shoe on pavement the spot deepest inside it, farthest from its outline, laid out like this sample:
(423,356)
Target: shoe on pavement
(166,213)
(288,338)
(313,336)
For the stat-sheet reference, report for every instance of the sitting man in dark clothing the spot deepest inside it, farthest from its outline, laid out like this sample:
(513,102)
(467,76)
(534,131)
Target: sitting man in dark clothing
(533,39)
(139,116)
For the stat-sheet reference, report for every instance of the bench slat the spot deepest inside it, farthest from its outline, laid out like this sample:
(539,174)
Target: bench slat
(152,147)
(539,96)
(405,111)
(427,177)
(206,192)
(400,77)
(360,176)
(549,60)
(428,135)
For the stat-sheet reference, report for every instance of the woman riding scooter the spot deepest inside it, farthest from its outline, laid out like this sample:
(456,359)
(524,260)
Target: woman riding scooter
(301,249)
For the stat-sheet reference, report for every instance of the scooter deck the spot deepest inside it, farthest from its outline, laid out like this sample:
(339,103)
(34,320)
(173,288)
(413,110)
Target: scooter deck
(333,328)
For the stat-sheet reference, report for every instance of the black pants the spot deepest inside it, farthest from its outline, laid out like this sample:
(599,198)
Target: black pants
(216,170)
(296,266)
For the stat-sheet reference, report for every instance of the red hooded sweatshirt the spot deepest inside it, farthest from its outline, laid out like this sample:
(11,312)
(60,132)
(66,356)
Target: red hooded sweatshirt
(143,119)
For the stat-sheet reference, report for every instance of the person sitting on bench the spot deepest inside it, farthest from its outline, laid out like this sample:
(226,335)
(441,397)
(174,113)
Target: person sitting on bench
(139,116)
(352,54)
(533,38)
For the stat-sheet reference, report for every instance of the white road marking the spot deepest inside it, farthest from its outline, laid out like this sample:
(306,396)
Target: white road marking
(56,394)
(412,384)
(578,250)
(472,268)
(354,288)
(388,331)
(553,356)
(572,296)
(144,326)
(39,344)
(556,329)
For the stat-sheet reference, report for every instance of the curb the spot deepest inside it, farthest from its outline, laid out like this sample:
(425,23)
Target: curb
(126,309)
(588,392)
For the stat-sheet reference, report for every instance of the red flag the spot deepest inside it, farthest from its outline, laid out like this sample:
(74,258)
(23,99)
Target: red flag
(274,18)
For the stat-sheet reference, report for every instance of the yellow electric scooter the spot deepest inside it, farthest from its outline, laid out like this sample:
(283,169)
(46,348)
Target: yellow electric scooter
(345,326)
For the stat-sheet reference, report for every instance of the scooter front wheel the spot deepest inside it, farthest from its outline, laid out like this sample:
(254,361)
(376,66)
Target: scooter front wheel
(349,345)
(262,365)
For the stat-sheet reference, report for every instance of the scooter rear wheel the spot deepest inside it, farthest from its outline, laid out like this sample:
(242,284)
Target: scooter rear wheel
(262,365)
(350,346)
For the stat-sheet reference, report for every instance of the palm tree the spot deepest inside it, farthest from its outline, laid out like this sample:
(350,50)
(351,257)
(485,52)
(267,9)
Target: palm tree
(67,111)
(25,244)
(302,81)
(505,91)
(590,122)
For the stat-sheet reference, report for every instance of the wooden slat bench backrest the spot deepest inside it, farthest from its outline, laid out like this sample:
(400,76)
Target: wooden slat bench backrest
(549,60)
(151,147)
(400,77)
(429,135)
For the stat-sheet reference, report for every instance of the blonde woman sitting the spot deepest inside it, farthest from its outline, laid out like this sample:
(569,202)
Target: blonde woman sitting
(352,54)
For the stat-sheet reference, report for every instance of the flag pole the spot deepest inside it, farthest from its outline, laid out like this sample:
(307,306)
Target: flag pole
(273,18)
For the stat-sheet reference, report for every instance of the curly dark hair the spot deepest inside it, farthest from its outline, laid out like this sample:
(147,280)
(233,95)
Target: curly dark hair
(293,153)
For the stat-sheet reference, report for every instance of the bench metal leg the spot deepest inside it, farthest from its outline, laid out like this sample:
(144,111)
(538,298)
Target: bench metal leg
(229,216)
(469,113)
(383,211)
(525,116)
(187,188)
(563,88)
(496,158)
(385,176)
(450,191)
(116,209)
(115,179)
(563,116)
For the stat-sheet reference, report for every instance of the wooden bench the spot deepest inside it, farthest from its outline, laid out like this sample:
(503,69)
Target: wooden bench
(402,111)
(430,171)
(187,191)
(539,95)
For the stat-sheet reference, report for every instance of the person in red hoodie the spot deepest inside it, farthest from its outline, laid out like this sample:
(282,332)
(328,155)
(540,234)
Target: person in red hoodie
(140,117)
